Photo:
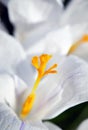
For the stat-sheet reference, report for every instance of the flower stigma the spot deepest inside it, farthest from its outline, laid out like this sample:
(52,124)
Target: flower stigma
(40,64)
(83,40)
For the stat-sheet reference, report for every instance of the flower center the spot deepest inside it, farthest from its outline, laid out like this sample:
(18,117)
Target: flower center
(83,40)
(40,64)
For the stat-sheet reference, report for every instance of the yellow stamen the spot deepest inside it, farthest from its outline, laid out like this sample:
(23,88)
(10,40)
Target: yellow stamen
(40,64)
(83,40)
(35,62)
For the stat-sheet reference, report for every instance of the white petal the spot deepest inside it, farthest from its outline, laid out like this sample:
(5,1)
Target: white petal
(76,33)
(76,17)
(33,11)
(11,53)
(36,43)
(83,125)
(37,125)
(25,28)
(20,88)
(13,59)
(9,121)
(56,40)
(30,33)
(60,2)
(76,13)
(82,51)
(52,126)
(7,90)
(56,93)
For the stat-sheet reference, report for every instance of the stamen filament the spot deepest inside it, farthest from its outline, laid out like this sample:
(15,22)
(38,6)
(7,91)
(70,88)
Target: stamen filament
(36,83)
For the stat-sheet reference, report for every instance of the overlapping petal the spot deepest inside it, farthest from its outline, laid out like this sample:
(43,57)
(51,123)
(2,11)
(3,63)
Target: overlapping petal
(41,16)
(36,10)
(13,58)
(75,16)
(10,121)
(8,106)
(7,90)
(75,13)
(57,40)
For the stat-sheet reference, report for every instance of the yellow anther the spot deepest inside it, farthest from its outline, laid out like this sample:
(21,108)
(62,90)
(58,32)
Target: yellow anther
(83,40)
(40,64)
(43,62)
(35,62)
(45,58)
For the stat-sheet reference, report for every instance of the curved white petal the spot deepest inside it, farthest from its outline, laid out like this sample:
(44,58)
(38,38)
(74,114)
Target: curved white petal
(13,59)
(52,126)
(76,17)
(38,125)
(29,26)
(8,99)
(33,11)
(11,53)
(46,40)
(9,121)
(83,125)
(67,88)
(82,51)
(7,90)
(75,13)
(20,88)
(56,40)
(77,32)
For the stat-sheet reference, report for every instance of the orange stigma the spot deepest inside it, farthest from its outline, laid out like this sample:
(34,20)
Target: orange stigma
(83,40)
(40,64)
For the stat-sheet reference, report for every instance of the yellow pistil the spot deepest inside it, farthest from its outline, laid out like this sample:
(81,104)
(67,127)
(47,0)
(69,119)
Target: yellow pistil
(40,64)
(83,40)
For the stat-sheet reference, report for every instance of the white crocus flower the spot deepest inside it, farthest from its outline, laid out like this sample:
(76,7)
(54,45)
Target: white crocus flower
(83,125)
(50,96)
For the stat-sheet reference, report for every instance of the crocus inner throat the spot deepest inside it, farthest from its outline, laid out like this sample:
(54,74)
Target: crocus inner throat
(83,40)
(40,64)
